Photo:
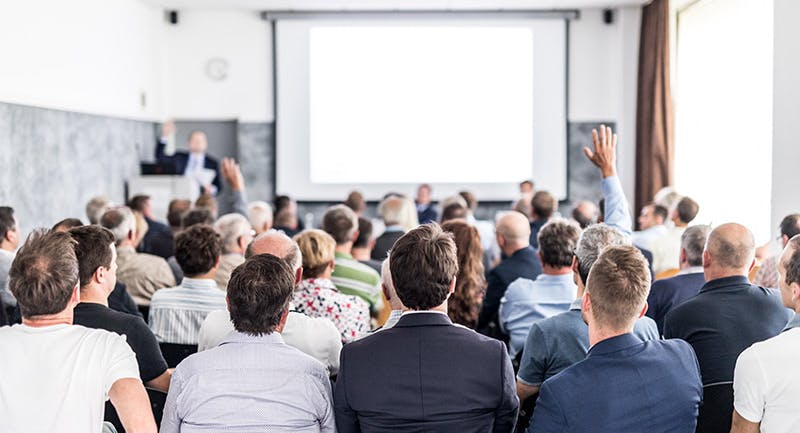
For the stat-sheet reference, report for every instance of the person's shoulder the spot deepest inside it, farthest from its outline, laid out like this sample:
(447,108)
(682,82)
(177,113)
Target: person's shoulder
(676,346)
(147,259)
(520,287)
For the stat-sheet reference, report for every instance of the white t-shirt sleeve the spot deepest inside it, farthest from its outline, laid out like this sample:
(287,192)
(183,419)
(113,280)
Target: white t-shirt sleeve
(749,386)
(120,361)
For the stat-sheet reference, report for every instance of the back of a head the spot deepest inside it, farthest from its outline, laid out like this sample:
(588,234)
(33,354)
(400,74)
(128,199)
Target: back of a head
(687,210)
(557,240)
(64,225)
(209,202)
(453,199)
(391,210)
(543,204)
(278,244)
(469,198)
(514,227)
(423,265)
(364,233)
(584,213)
(96,207)
(660,212)
(177,209)
(732,246)
(138,202)
(198,215)
(693,241)
(259,213)
(231,228)
(92,249)
(790,225)
(7,221)
(317,248)
(469,251)
(341,223)
(259,291)
(618,285)
(282,202)
(120,221)
(44,273)
(592,241)
(453,211)
(523,206)
(197,249)
(355,201)
(791,261)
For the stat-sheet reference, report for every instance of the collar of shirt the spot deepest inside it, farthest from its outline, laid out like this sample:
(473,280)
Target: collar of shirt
(196,161)
(576,305)
(240,337)
(736,282)
(794,323)
(127,249)
(393,228)
(199,283)
(691,270)
(341,255)
(559,280)
(394,316)
(406,312)
(323,283)
(613,344)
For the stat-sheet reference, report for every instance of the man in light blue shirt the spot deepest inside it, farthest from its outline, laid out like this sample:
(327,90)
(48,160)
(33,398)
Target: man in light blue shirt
(253,381)
(528,301)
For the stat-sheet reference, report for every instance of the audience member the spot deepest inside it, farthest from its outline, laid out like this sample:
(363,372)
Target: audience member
(666,249)
(317,296)
(141,228)
(193,162)
(207,201)
(364,245)
(141,273)
(232,199)
(259,213)
(58,376)
(766,387)
(526,191)
(391,212)
(355,201)
(236,234)
(314,336)
(513,234)
(176,313)
(408,217)
(491,252)
(8,246)
(94,248)
(667,197)
(463,382)
(66,224)
(228,388)
(426,211)
(543,206)
(728,314)
(453,211)
(584,213)
(767,274)
(670,292)
(96,207)
(391,297)
(615,297)
(158,239)
(524,207)
(651,225)
(464,305)
(175,212)
(350,276)
(528,301)
(198,215)
(555,343)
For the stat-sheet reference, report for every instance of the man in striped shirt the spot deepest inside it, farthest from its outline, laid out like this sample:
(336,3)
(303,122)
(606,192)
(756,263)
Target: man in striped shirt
(349,275)
(177,313)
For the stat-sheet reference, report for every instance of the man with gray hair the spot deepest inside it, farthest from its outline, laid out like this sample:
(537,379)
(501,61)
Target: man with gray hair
(670,292)
(236,234)
(96,207)
(391,212)
(260,215)
(141,273)
(316,337)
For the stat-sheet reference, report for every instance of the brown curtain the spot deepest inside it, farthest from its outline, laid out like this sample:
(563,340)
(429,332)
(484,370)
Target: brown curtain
(655,148)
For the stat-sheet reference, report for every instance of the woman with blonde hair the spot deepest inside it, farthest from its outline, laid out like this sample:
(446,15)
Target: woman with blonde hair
(464,304)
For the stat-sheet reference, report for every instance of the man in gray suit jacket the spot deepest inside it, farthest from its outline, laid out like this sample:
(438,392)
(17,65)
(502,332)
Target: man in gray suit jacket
(425,373)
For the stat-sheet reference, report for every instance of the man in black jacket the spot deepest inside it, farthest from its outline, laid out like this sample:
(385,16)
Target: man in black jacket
(192,161)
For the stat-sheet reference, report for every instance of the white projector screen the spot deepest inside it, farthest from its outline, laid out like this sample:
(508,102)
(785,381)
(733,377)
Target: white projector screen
(384,105)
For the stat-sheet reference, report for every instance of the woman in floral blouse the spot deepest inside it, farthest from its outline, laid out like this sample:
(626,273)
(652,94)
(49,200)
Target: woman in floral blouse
(316,296)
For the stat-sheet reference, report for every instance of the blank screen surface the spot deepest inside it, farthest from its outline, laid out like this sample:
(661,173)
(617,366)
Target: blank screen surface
(383,106)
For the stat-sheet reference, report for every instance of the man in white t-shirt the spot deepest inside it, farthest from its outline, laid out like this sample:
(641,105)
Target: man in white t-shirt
(766,386)
(56,376)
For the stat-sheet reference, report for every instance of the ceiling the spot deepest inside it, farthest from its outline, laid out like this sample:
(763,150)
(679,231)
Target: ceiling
(389,5)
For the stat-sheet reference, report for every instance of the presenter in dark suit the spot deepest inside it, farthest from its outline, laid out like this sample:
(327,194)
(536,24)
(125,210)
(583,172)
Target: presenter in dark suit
(624,385)
(425,374)
(195,159)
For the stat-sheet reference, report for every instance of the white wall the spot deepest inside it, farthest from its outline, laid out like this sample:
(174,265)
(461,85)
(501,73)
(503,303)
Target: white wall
(239,37)
(786,111)
(93,56)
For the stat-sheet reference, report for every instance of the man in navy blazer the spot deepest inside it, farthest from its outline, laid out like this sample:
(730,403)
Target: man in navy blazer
(624,385)
(195,159)
(668,293)
(425,374)
(521,261)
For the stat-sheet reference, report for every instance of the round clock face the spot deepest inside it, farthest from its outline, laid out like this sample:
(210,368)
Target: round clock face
(217,68)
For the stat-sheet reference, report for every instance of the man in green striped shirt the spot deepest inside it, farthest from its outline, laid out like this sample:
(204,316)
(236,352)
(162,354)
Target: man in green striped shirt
(349,275)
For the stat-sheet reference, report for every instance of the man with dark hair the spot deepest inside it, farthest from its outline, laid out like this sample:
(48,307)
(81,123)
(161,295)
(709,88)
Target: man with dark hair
(426,210)
(355,200)
(177,313)
(175,212)
(57,377)
(350,276)
(286,217)
(158,239)
(8,245)
(198,215)
(190,163)
(293,392)
(599,393)
(670,292)
(463,381)
(728,314)
(66,224)
(666,249)
(97,269)
(528,301)
(363,245)
(767,275)
(543,206)
(651,226)
(765,383)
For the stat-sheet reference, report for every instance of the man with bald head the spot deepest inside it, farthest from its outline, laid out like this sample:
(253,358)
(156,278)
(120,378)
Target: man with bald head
(520,261)
(729,313)
(316,337)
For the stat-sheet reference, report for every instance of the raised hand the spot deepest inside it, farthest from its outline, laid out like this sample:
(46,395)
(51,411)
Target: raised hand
(604,155)
(232,174)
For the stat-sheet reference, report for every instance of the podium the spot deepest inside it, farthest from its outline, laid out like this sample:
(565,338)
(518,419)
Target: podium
(162,189)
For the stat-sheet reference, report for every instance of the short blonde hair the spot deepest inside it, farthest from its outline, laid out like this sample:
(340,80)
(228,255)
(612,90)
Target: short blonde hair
(317,248)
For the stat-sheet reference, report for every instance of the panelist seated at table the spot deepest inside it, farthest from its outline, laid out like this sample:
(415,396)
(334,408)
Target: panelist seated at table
(193,162)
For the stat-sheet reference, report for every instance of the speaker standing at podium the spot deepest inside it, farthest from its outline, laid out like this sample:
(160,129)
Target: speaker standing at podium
(193,162)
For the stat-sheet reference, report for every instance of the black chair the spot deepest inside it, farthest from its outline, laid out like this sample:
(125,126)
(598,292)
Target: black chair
(157,401)
(144,310)
(716,409)
(175,353)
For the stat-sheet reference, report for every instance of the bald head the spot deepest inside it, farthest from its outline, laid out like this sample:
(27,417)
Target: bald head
(278,244)
(513,232)
(730,250)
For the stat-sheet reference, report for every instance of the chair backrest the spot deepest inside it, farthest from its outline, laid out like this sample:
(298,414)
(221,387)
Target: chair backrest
(667,273)
(175,353)
(716,409)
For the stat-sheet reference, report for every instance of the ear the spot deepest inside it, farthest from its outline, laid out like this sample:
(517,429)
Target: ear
(75,299)
(298,276)
(371,244)
(785,240)
(99,275)
(752,265)
(132,235)
(355,236)
(332,264)
(586,302)
(706,259)
(385,292)
(227,303)
(644,310)
(795,288)
(682,258)
(452,285)
(216,262)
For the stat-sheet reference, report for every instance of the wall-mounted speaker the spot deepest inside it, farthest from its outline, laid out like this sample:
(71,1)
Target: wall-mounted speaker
(608,16)
(172,17)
